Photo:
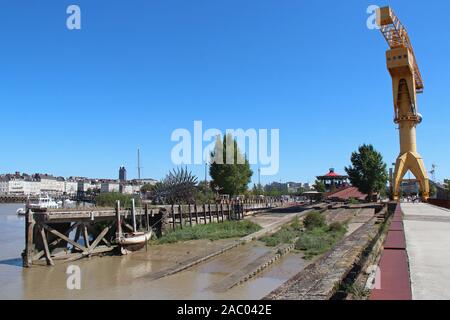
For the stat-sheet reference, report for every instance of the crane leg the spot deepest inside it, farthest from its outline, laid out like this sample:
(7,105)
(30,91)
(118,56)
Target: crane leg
(413,162)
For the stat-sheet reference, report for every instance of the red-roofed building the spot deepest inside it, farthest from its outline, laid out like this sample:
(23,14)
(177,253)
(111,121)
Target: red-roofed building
(333,181)
(347,193)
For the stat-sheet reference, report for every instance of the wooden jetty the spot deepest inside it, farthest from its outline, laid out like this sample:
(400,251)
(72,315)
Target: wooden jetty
(65,235)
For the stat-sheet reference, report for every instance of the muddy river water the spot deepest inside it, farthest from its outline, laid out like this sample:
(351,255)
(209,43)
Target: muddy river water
(129,277)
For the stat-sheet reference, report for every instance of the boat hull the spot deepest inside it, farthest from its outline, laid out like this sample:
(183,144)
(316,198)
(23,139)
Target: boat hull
(133,242)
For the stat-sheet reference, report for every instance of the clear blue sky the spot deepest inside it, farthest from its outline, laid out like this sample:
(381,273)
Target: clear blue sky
(81,102)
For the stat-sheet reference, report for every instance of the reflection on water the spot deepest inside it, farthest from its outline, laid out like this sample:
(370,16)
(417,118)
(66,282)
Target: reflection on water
(127,277)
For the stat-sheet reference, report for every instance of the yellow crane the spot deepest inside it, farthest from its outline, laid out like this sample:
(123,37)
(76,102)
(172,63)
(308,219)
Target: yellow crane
(406,82)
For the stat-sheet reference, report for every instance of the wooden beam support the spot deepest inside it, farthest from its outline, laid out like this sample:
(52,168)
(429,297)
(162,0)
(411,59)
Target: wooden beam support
(58,240)
(46,249)
(86,235)
(100,237)
(59,234)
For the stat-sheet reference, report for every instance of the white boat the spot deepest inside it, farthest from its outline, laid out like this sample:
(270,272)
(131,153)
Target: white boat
(133,241)
(21,212)
(42,203)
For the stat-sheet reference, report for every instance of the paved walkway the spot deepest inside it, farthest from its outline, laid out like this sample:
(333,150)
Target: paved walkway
(427,232)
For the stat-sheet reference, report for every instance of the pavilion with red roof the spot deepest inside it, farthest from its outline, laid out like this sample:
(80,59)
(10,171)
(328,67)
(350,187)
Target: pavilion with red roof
(333,181)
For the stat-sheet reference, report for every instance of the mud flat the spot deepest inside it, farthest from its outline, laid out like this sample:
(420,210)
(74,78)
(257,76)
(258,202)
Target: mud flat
(130,277)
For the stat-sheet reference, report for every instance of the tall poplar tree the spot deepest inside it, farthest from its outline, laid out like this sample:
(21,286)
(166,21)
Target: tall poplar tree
(229,169)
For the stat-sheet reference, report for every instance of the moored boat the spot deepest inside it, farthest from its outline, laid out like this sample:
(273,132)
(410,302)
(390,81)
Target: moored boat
(135,241)
(42,204)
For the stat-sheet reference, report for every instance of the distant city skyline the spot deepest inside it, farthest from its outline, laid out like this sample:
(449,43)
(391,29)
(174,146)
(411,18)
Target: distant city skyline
(80,102)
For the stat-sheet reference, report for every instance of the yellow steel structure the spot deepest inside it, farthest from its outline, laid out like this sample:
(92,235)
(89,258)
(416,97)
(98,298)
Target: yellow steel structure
(406,83)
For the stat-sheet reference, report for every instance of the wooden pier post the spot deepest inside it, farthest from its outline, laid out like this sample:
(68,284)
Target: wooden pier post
(196,214)
(85,235)
(133,214)
(147,217)
(119,221)
(180,212)
(204,213)
(190,215)
(27,256)
(173,218)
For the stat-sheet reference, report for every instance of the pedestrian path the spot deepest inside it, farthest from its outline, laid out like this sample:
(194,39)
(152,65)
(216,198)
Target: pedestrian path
(427,232)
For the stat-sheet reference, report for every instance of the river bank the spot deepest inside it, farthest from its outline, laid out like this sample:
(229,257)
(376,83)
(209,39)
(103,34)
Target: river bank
(129,277)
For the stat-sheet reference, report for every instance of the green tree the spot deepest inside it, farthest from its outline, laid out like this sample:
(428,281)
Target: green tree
(230,171)
(368,171)
(319,186)
(276,189)
(204,195)
(110,199)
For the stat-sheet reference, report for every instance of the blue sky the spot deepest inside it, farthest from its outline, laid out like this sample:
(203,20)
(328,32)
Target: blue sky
(81,102)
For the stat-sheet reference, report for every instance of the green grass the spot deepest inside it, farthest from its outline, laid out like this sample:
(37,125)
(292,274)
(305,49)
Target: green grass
(314,239)
(319,240)
(358,291)
(212,231)
(286,234)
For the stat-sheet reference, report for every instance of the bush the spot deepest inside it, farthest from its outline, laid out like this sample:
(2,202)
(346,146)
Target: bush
(337,227)
(321,239)
(296,224)
(286,234)
(314,220)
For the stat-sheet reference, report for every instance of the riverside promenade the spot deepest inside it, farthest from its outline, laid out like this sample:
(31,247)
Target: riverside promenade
(427,233)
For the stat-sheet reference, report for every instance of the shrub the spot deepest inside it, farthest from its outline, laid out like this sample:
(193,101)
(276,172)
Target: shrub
(286,234)
(337,227)
(321,239)
(296,224)
(314,220)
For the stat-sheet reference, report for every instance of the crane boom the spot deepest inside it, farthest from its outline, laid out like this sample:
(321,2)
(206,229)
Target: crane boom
(397,37)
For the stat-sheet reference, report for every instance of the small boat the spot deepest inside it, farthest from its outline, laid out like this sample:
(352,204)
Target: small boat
(135,241)
(21,212)
(42,204)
